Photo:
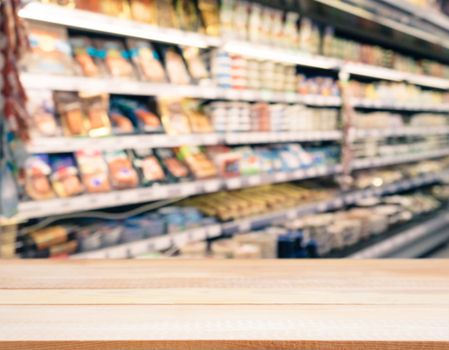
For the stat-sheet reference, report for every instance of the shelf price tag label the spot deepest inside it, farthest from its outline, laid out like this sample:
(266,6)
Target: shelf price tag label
(159,192)
(291,214)
(244,226)
(280,177)
(321,207)
(266,95)
(187,189)
(299,174)
(211,186)
(338,203)
(234,183)
(349,198)
(181,239)
(311,172)
(213,231)
(254,180)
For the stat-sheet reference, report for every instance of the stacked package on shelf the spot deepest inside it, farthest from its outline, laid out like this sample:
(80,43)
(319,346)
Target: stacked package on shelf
(244,116)
(392,92)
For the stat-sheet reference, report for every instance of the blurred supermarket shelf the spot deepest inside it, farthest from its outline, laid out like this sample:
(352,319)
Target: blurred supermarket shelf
(139,88)
(282,97)
(299,174)
(112,25)
(338,202)
(264,220)
(370,71)
(271,53)
(400,131)
(398,159)
(411,243)
(60,206)
(400,106)
(131,87)
(102,23)
(431,16)
(281,55)
(71,144)
(402,21)
(133,249)
(115,86)
(281,136)
(366,70)
(428,81)
(254,222)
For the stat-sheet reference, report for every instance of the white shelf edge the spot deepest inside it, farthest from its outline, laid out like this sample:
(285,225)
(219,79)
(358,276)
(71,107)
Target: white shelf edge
(405,158)
(428,81)
(367,70)
(404,106)
(278,54)
(139,141)
(115,86)
(378,133)
(110,143)
(107,24)
(377,72)
(281,136)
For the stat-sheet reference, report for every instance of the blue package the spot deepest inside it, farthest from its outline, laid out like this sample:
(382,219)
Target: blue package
(132,230)
(174,219)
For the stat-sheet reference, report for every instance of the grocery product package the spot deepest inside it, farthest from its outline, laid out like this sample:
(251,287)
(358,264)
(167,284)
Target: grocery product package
(65,175)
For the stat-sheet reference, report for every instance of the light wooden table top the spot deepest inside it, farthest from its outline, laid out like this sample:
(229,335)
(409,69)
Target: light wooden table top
(179,304)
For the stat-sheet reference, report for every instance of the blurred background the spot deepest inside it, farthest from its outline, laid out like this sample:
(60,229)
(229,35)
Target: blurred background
(224,129)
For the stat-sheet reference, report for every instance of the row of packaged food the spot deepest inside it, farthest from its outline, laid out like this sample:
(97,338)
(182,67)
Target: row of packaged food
(370,147)
(91,171)
(243,116)
(54,51)
(394,92)
(261,24)
(381,177)
(429,4)
(320,234)
(350,50)
(389,120)
(86,235)
(196,16)
(93,114)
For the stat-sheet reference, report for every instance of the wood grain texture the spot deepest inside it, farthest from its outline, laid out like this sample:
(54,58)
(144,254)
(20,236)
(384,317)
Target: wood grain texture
(201,304)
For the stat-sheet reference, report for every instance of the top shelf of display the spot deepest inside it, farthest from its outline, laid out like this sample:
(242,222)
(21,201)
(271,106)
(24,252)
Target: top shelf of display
(298,46)
(98,22)
(428,14)
(424,23)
